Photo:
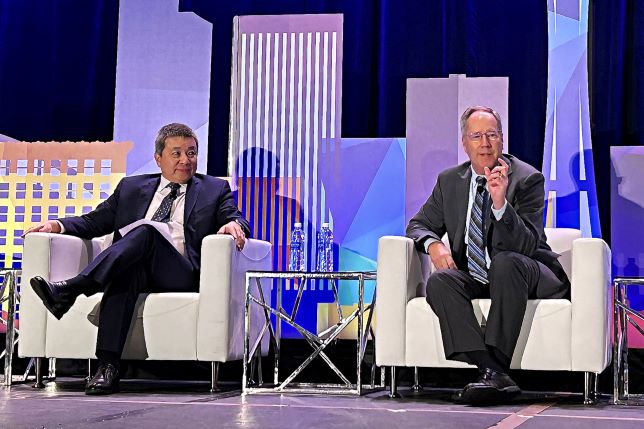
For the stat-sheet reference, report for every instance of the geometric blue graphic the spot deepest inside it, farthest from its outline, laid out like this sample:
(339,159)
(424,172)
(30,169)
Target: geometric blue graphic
(571,197)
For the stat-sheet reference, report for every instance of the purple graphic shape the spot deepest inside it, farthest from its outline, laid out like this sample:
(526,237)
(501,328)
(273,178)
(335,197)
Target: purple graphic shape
(434,107)
(347,182)
(162,76)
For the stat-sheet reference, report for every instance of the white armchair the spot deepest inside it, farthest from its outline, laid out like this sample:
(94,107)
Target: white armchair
(556,335)
(206,326)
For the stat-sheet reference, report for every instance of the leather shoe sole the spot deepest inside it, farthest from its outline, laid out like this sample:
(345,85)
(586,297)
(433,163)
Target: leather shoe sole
(488,395)
(42,289)
(97,390)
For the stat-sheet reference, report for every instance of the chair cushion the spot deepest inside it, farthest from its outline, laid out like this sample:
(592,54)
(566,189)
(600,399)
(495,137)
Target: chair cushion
(537,347)
(164,328)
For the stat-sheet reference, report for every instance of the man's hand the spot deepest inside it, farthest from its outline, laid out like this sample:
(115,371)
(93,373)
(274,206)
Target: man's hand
(441,256)
(234,229)
(497,183)
(49,226)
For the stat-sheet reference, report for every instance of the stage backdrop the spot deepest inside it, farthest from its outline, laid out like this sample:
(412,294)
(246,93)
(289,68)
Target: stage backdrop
(568,155)
(40,181)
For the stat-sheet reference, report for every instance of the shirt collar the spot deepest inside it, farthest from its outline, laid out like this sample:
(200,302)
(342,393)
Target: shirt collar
(473,178)
(165,182)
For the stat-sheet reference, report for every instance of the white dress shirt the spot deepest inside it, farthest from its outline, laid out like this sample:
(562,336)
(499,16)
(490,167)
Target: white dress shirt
(498,214)
(176,215)
(176,212)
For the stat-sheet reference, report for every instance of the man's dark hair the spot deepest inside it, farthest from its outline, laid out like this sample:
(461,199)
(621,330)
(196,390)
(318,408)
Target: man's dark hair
(172,130)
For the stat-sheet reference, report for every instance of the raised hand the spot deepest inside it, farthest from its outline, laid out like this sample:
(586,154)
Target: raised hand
(497,183)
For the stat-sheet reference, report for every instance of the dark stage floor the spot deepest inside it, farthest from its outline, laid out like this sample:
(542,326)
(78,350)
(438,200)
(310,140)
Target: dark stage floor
(160,404)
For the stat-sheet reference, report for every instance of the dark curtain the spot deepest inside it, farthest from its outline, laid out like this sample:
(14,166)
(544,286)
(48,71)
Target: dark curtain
(57,69)
(58,62)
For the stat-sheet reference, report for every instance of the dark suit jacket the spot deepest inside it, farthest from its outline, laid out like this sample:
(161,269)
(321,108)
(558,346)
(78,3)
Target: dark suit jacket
(519,230)
(208,206)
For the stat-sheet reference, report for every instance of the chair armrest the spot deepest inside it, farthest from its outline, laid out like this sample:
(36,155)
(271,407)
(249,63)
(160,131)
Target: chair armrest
(222,286)
(402,275)
(54,257)
(591,297)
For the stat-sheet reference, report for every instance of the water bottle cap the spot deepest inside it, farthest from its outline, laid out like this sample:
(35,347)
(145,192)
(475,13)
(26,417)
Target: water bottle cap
(325,225)
(297,225)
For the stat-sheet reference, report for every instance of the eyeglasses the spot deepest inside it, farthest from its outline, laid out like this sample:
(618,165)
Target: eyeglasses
(491,136)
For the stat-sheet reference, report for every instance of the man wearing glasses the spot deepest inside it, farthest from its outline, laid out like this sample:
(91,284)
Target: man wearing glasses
(491,208)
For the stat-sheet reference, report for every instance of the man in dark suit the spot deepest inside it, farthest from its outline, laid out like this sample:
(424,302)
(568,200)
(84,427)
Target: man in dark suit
(492,211)
(143,260)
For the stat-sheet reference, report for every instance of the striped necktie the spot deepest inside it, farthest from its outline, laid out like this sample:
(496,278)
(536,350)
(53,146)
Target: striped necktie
(476,264)
(163,212)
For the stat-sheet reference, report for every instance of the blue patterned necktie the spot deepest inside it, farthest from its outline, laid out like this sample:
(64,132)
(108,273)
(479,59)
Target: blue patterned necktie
(163,212)
(476,264)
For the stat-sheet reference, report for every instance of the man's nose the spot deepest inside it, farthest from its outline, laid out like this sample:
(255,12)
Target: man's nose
(184,158)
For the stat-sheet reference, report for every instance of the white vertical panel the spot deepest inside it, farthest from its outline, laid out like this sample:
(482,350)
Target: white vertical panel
(251,87)
(553,156)
(324,81)
(290,106)
(267,102)
(584,215)
(582,161)
(298,169)
(325,101)
(274,109)
(316,102)
(333,66)
(242,110)
(258,105)
(307,134)
(283,106)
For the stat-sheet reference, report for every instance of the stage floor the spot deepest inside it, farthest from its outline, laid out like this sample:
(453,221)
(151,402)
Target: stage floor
(159,404)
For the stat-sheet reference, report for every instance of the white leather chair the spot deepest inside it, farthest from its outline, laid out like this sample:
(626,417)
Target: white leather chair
(556,335)
(205,326)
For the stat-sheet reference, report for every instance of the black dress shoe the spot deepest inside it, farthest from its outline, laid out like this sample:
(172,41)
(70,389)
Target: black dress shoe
(492,387)
(104,382)
(58,297)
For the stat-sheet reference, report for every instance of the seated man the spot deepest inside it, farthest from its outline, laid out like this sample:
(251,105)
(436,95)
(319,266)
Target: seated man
(193,206)
(492,211)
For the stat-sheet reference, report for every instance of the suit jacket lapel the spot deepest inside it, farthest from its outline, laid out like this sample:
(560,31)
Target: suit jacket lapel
(194,187)
(462,192)
(146,193)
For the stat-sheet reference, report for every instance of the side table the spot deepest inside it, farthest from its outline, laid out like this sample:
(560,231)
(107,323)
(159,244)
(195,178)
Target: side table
(318,341)
(623,316)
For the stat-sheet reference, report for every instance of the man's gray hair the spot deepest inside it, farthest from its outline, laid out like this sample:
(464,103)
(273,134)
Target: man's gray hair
(473,109)
(172,130)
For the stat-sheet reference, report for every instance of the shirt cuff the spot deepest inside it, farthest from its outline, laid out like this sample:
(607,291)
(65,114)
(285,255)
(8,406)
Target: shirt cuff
(62,227)
(498,214)
(427,243)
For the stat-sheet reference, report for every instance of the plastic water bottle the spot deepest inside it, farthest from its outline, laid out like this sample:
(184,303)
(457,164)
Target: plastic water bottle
(328,246)
(325,249)
(297,246)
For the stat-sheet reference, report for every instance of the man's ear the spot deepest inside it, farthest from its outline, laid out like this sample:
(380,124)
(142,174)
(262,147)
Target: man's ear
(157,158)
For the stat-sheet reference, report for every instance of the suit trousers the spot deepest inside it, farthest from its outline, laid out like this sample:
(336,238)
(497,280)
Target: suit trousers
(513,279)
(141,261)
